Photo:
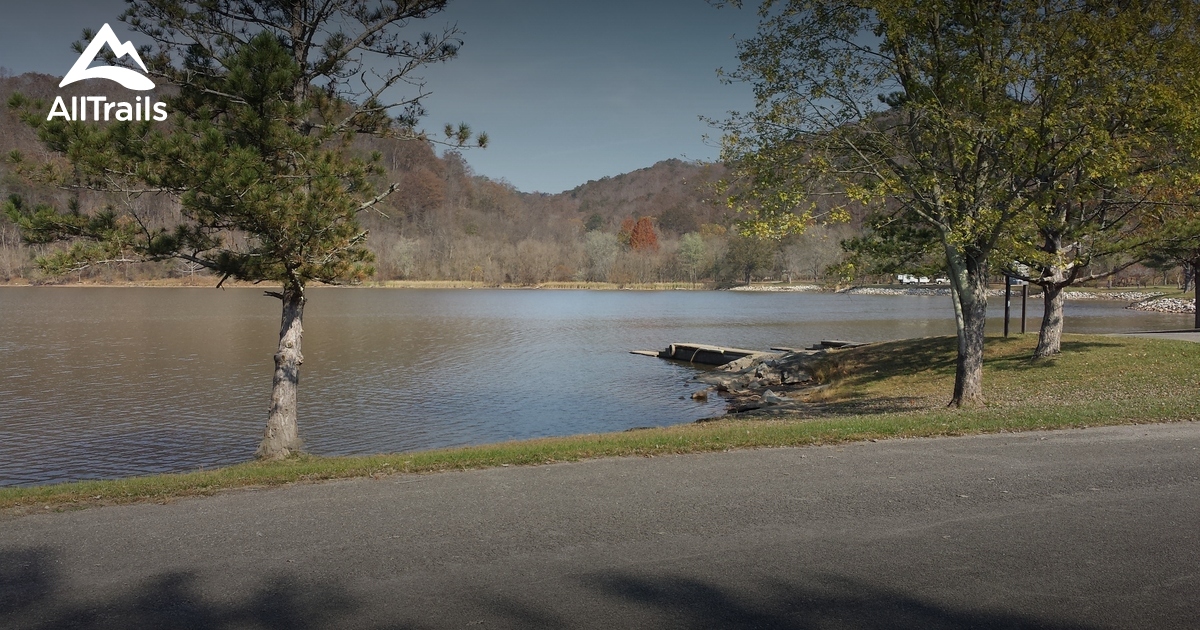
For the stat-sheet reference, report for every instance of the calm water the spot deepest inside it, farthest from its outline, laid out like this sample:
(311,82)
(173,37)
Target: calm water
(98,383)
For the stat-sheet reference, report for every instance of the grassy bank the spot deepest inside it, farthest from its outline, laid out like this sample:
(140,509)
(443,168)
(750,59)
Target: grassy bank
(881,391)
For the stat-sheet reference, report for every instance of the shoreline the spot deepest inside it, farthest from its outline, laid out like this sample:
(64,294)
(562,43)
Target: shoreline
(871,392)
(389,284)
(1132,296)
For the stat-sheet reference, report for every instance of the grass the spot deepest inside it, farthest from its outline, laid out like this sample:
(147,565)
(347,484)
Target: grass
(880,391)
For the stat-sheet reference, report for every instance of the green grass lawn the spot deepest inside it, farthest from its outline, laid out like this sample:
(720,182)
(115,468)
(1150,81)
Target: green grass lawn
(880,391)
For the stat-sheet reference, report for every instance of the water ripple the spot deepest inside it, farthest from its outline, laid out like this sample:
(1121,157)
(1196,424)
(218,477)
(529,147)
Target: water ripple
(103,383)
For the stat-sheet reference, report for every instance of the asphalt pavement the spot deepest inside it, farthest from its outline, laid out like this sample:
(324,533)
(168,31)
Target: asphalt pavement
(1093,528)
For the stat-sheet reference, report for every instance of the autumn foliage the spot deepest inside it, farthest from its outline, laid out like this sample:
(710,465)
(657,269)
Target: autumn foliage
(639,235)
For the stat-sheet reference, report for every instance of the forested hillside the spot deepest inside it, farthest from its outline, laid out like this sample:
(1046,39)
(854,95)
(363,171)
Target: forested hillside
(662,223)
(445,222)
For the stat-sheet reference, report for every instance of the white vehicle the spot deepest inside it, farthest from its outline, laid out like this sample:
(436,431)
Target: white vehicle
(923,280)
(942,280)
(906,278)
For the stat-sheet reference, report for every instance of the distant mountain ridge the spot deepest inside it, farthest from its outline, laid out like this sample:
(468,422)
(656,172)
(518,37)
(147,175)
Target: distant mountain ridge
(444,221)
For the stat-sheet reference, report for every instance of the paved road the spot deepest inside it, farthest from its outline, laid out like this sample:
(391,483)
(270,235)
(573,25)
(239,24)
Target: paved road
(1079,529)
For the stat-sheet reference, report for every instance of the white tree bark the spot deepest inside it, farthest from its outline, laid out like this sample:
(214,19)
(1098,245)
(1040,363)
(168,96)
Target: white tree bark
(281,438)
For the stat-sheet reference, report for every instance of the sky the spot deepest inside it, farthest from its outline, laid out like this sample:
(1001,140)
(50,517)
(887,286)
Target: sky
(567,91)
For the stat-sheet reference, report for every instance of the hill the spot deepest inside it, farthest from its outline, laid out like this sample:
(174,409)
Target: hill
(447,222)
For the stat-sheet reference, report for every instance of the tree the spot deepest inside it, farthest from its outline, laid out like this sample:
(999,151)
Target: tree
(816,250)
(642,236)
(692,253)
(601,250)
(900,100)
(1103,92)
(1176,222)
(594,222)
(926,111)
(258,151)
(625,234)
(748,255)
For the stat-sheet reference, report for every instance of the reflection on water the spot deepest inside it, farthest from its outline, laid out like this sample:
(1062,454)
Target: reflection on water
(98,383)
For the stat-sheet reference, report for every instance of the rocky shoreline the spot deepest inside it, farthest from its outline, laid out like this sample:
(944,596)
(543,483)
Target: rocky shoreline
(1122,296)
(765,382)
(920,291)
(1151,301)
(783,288)
(1164,305)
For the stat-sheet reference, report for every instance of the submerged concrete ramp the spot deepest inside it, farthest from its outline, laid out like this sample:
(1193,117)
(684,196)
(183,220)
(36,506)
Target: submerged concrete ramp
(721,355)
(706,354)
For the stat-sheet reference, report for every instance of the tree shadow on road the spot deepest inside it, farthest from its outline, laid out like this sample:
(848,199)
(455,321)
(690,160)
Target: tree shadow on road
(33,594)
(824,602)
(816,601)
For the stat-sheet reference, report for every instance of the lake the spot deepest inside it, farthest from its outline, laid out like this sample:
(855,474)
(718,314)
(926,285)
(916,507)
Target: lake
(112,382)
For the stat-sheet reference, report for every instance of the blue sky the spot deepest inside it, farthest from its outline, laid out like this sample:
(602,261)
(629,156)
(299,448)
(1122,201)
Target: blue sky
(567,91)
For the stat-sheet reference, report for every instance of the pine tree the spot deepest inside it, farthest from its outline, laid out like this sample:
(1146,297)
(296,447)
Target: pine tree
(258,151)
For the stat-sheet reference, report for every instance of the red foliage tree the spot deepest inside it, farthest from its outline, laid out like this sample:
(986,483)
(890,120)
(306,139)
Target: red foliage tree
(643,237)
(625,234)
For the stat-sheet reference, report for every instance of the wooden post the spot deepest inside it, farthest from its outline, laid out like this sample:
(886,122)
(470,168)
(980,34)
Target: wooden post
(1007,301)
(1024,296)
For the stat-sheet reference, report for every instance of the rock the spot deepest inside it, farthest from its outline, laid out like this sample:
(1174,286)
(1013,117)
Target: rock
(1123,296)
(771,397)
(701,395)
(1165,305)
(777,288)
(786,378)
(794,377)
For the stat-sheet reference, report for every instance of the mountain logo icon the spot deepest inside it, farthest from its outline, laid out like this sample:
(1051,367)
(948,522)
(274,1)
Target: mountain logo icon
(131,79)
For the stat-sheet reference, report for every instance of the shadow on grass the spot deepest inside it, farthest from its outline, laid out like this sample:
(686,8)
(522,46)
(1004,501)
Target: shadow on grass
(1025,361)
(881,361)
(855,405)
(937,355)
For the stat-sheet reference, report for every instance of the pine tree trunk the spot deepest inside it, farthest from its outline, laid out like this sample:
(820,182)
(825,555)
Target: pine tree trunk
(1050,335)
(281,438)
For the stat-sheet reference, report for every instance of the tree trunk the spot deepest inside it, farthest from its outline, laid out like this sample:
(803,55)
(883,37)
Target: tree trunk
(968,374)
(281,438)
(1050,335)
(968,284)
(1053,298)
(1191,267)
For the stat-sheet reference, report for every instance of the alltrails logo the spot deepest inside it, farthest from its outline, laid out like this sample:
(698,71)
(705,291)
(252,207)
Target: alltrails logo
(101,109)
